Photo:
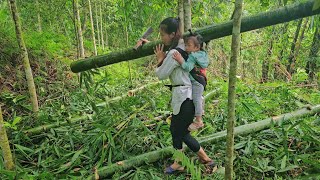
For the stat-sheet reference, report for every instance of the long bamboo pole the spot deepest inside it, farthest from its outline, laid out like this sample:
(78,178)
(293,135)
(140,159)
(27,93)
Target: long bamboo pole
(24,56)
(235,54)
(129,94)
(154,156)
(281,15)
(46,127)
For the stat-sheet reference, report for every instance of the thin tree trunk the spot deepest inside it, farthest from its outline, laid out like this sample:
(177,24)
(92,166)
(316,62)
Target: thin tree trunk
(65,29)
(187,15)
(298,45)
(97,24)
(84,23)
(101,29)
(92,30)
(290,67)
(215,31)
(235,54)
(311,63)
(4,144)
(78,22)
(277,64)
(76,29)
(24,56)
(181,15)
(106,29)
(155,156)
(224,61)
(127,41)
(39,16)
(266,61)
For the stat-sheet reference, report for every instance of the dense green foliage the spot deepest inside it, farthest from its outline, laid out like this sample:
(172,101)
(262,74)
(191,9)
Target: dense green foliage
(138,124)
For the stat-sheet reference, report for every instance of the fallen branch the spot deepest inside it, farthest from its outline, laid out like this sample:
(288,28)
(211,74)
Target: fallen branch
(154,156)
(46,127)
(129,94)
(134,91)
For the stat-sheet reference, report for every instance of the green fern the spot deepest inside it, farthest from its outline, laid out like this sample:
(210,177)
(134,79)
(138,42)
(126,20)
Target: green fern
(188,164)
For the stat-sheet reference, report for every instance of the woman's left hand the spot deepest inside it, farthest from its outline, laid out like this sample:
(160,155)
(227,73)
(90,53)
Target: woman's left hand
(159,53)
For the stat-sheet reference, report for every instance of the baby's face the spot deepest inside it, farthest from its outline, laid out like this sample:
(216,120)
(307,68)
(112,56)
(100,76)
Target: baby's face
(191,46)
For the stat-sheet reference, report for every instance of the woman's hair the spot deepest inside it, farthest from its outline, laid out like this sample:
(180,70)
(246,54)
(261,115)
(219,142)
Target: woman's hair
(172,25)
(196,38)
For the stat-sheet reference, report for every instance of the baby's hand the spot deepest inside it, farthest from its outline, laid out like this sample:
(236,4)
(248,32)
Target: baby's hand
(177,56)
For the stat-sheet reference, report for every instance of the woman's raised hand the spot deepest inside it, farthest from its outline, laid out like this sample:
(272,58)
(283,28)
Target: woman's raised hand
(158,51)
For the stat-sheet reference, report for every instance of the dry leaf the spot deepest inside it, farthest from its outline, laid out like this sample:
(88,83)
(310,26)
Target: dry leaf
(120,163)
(96,174)
(76,169)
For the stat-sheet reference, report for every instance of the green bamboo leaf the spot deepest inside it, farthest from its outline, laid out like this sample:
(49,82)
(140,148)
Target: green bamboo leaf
(110,156)
(257,168)
(76,155)
(9,174)
(56,150)
(240,145)
(71,142)
(294,125)
(269,168)
(247,107)
(7,125)
(267,143)
(307,159)
(283,162)
(287,168)
(23,150)
(16,120)
(73,159)
(39,158)
(18,98)
(316,5)
(261,164)
(110,138)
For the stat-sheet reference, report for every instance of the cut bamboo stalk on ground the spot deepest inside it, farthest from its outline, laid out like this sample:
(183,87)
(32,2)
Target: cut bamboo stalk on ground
(46,127)
(134,91)
(129,94)
(277,16)
(211,94)
(154,156)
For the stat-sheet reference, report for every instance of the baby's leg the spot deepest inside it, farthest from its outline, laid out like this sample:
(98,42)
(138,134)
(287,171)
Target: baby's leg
(203,104)
(197,91)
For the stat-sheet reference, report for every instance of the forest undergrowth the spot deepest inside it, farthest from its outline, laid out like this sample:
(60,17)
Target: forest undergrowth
(139,124)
